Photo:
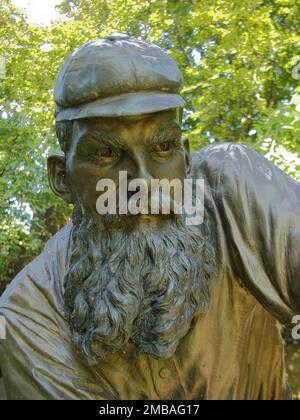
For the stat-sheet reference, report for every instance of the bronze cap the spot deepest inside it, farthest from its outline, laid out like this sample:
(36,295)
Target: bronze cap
(117,76)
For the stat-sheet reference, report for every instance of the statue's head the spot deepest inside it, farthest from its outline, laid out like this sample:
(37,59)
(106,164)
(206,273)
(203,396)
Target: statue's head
(118,108)
(139,278)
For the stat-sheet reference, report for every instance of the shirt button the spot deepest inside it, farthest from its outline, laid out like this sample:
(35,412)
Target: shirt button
(165,373)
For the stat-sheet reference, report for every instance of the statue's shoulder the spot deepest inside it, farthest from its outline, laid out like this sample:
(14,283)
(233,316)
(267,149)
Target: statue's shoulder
(43,277)
(208,163)
(227,166)
(37,357)
(215,158)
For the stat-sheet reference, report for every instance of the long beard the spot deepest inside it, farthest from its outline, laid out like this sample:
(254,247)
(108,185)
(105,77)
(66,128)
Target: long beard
(139,286)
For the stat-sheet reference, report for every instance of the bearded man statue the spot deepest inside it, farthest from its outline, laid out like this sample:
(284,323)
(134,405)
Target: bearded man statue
(144,305)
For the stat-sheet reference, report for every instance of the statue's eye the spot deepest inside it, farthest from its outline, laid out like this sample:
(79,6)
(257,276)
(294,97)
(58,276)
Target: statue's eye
(164,147)
(105,152)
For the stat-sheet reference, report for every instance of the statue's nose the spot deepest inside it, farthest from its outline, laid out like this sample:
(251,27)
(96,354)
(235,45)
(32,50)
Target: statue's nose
(144,174)
(142,177)
(140,169)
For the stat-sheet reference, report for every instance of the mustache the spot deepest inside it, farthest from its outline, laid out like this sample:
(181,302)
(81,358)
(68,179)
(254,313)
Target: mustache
(154,206)
(152,197)
(141,202)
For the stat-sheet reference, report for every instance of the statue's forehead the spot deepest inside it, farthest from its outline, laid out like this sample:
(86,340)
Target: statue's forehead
(154,119)
(116,129)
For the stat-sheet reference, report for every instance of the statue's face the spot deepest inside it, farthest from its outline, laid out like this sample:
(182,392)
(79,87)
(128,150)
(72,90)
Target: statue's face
(144,146)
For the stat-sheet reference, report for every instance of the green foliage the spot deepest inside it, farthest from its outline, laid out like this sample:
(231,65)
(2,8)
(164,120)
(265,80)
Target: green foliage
(278,136)
(29,212)
(236,57)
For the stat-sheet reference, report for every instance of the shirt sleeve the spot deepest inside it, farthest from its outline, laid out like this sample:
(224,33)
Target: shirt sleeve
(260,210)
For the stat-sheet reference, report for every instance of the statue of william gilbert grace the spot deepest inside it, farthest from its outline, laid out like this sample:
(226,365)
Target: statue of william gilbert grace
(143,305)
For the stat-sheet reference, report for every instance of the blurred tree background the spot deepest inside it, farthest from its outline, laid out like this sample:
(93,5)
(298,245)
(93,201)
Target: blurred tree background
(240,61)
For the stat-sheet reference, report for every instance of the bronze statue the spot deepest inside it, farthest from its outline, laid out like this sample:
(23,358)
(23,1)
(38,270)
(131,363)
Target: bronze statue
(145,306)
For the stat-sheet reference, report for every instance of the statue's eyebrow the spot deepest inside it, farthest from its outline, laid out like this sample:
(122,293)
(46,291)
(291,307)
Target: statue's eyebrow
(163,133)
(101,137)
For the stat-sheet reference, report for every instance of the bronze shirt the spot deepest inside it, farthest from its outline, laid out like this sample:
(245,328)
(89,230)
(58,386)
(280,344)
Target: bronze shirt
(235,351)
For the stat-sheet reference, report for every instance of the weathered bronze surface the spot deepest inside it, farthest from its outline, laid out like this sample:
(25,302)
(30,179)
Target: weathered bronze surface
(145,307)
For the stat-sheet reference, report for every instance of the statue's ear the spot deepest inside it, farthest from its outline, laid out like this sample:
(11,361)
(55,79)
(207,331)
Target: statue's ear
(188,156)
(57,178)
